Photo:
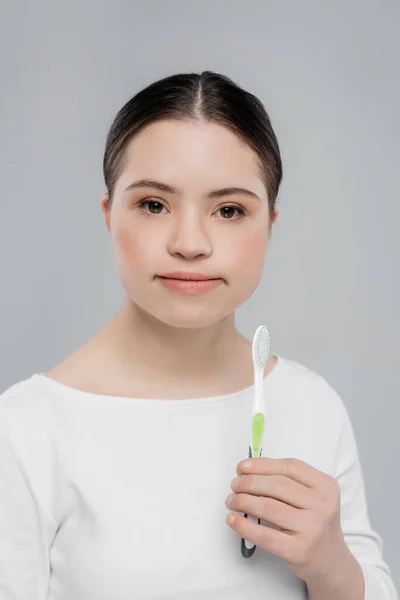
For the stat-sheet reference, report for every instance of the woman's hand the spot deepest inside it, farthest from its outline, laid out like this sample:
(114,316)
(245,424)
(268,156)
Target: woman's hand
(303,502)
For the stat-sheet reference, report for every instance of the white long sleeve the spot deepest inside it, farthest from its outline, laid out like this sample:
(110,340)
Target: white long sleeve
(26,527)
(365,543)
(108,497)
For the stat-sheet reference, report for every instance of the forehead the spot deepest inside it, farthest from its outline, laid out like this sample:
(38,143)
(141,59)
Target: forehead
(189,153)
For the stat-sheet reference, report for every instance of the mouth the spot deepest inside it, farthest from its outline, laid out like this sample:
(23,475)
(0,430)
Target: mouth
(191,286)
(188,278)
(181,276)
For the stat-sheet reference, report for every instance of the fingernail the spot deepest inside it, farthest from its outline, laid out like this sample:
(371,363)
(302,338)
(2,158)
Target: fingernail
(229,499)
(230,519)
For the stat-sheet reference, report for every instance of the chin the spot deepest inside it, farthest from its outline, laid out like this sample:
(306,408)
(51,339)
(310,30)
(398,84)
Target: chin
(193,315)
(191,320)
(191,311)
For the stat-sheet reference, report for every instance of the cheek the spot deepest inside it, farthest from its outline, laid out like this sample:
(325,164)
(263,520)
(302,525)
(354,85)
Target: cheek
(130,249)
(127,244)
(247,263)
(250,253)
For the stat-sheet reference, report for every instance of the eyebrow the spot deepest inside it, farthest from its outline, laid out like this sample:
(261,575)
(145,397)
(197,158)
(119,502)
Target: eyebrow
(163,187)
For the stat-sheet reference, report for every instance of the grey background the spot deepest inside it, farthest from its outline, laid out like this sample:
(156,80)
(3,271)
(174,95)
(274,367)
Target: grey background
(328,73)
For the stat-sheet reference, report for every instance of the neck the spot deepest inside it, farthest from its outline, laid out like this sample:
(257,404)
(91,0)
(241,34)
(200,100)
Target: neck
(156,349)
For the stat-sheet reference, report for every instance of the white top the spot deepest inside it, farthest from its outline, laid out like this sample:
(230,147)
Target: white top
(105,497)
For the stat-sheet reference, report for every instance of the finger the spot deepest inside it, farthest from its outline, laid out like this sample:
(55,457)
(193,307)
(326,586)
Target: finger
(270,510)
(275,486)
(277,542)
(293,468)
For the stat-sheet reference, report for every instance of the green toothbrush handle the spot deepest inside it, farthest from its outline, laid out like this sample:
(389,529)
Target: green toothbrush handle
(247,547)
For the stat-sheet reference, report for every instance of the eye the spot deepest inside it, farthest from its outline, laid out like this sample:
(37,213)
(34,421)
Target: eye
(230,208)
(143,202)
(159,206)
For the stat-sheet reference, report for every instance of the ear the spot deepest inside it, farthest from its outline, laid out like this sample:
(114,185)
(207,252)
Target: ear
(106,213)
(275,215)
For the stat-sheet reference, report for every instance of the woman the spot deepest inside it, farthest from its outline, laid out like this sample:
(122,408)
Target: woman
(116,464)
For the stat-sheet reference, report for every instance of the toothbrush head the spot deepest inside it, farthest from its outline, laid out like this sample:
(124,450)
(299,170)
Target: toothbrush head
(261,346)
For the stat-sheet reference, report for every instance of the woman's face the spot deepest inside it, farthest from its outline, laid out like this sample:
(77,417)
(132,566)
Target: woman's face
(187,229)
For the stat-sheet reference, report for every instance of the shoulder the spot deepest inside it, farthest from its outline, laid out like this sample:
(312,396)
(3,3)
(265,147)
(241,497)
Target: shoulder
(307,379)
(24,413)
(22,397)
(309,414)
(311,394)
(27,446)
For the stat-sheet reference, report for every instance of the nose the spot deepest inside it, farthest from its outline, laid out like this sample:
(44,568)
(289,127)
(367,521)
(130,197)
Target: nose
(189,238)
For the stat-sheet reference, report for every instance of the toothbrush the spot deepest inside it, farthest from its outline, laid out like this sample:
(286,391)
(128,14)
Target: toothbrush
(260,351)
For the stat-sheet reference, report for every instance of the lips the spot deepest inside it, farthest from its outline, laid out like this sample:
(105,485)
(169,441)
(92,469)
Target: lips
(188,276)
(190,286)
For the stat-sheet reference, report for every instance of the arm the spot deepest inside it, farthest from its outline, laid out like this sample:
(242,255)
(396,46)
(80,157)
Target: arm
(26,527)
(363,542)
